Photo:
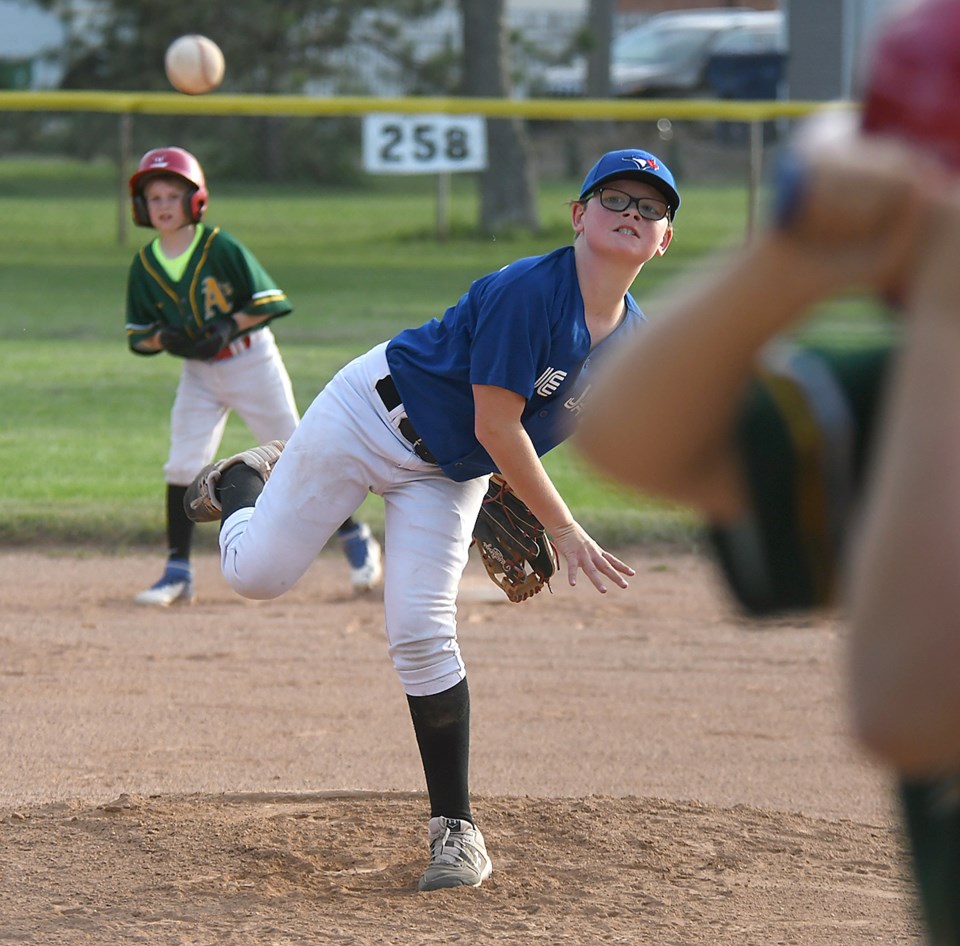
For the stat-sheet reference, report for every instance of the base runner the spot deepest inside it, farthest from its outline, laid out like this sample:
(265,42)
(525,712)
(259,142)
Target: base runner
(200,295)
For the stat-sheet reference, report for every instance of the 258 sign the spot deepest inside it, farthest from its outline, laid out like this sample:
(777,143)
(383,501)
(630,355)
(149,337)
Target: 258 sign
(424,144)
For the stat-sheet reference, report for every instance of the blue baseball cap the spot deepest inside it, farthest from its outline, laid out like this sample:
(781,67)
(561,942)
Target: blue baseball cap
(641,165)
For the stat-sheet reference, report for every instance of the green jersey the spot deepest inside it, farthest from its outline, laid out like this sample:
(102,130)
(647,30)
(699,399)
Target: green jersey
(221,277)
(932,814)
(804,434)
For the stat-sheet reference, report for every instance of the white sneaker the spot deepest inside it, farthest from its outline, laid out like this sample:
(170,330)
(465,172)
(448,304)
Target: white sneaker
(458,856)
(168,590)
(365,557)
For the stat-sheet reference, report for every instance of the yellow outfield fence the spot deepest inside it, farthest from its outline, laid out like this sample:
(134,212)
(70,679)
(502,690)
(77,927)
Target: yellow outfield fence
(126,105)
(173,103)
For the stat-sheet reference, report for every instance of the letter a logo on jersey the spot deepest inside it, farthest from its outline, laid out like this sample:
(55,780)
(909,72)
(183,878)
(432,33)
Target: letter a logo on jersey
(548,382)
(214,298)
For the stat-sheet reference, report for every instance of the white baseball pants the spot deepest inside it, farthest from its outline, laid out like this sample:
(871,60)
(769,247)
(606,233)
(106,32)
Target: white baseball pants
(254,383)
(346,445)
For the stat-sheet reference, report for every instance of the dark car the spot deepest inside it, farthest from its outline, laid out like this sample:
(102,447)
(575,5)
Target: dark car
(666,55)
(748,62)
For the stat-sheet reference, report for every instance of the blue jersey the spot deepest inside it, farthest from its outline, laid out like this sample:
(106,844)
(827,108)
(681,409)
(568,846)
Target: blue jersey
(521,328)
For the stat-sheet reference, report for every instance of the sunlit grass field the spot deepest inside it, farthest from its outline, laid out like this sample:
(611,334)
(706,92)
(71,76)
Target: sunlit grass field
(85,423)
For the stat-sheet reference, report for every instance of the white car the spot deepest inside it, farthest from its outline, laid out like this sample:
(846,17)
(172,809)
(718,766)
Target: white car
(666,55)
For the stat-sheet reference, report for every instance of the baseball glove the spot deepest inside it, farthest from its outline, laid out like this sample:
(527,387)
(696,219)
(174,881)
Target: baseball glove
(514,547)
(212,338)
(176,341)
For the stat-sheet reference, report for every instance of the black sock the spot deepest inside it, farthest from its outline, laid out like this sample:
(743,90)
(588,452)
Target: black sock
(179,525)
(238,488)
(442,725)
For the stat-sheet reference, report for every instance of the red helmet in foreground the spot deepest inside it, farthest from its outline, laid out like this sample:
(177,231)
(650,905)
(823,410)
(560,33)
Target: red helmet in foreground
(912,82)
(165,161)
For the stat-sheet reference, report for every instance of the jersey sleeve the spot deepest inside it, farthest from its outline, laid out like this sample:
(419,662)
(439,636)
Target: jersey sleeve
(804,435)
(255,290)
(141,320)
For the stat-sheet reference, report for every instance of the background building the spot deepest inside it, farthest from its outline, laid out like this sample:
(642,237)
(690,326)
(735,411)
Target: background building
(828,39)
(28,43)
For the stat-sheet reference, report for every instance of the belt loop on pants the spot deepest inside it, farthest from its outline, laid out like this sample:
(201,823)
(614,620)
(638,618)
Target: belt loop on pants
(391,399)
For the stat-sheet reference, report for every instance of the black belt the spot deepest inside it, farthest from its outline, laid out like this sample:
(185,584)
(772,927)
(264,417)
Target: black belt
(391,399)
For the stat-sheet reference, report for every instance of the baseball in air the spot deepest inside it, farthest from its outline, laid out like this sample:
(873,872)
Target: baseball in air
(194,64)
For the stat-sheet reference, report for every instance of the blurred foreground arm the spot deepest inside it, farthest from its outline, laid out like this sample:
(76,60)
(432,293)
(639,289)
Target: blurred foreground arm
(905,606)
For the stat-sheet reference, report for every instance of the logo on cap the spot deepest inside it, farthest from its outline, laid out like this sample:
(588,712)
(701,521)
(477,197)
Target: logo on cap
(644,164)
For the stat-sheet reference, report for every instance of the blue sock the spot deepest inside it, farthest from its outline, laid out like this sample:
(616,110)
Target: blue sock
(178,569)
(354,544)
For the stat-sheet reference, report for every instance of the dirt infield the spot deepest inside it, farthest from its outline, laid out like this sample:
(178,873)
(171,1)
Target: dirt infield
(647,769)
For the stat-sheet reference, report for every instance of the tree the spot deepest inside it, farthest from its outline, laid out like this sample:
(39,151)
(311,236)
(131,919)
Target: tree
(508,186)
(600,29)
(598,59)
(269,48)
(286,48)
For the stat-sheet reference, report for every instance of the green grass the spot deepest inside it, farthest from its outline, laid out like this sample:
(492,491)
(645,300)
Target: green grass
(85,423)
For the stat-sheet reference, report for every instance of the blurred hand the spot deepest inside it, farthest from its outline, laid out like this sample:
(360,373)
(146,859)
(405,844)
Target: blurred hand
(857,206)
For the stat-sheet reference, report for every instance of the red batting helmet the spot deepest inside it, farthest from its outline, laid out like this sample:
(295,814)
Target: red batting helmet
(912,81)
(173,161)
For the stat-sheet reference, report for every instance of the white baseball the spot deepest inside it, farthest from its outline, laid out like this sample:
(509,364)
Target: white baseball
(194,64)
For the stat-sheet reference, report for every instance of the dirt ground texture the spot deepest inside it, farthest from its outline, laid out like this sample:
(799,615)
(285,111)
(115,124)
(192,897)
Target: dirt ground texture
(647,767)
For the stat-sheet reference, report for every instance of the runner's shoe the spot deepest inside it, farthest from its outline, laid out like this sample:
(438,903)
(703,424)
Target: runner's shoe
(175,587)
(363,553)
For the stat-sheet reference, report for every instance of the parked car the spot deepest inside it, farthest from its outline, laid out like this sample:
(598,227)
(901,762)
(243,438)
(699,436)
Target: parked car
(667,54)
(748,62)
